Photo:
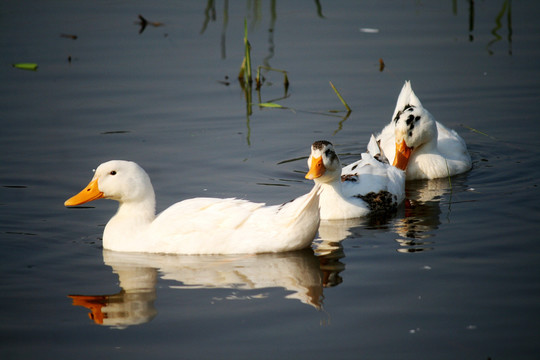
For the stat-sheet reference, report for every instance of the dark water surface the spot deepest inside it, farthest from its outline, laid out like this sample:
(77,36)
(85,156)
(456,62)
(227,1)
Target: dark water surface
(457,276)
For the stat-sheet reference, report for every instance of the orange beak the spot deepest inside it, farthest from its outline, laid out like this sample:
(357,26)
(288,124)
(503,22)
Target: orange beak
(317,168)
(403,152)
(89,193)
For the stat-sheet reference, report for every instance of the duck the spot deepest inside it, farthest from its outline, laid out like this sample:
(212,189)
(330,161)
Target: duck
(415,142)
(369,186)
(194,226)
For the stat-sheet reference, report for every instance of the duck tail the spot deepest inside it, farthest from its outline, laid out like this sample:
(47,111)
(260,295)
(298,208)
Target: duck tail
(305,205)
(375,150)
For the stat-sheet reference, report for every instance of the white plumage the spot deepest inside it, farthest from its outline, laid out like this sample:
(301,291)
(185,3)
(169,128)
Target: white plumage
(199,225)
(369,185)
(415,141)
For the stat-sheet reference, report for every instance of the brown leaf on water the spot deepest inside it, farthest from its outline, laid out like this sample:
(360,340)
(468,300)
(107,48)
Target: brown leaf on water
(69,36)
(381,65)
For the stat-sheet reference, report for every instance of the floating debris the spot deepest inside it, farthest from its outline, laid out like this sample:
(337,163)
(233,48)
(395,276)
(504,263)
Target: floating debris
(381,65)
(115,132)
(26,66)
(369,30)
(143,23)
(69,36)
(225,82)
(479,132)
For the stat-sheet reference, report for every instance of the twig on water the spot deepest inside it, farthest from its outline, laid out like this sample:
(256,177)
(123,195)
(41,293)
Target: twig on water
(479,132)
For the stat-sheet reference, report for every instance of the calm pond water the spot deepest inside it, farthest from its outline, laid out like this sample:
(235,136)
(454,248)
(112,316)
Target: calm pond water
(455,277)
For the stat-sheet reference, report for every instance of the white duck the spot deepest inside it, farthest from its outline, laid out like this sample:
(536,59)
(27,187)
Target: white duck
(415,141)
(199,225)
(369,186)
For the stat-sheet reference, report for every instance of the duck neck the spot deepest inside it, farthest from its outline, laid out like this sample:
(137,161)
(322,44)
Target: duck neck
(432,135)
(331,188)
(129,224)
(142,212)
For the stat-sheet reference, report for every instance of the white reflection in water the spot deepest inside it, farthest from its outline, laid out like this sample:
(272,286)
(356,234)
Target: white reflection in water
(414,222)
(133,305)
(303,274)
(297,272)
(422,214)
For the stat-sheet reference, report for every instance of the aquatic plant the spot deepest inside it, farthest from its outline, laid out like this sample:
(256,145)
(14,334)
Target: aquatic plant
(244,76)
(340,97)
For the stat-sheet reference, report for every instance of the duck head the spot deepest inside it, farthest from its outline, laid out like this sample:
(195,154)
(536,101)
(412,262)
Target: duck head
(120,180)
(323,162)
(414,126)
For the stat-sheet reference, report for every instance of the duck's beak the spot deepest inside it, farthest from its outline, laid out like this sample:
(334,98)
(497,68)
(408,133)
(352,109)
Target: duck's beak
(403,152)
(317,168)
(89,193)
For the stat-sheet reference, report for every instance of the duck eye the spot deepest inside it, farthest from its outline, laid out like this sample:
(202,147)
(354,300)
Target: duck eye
(328,152)
(113,172)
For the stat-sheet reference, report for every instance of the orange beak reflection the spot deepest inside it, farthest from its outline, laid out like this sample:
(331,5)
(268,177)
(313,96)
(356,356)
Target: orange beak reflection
(403,153)
(89,193)
(317,168)
(94,304)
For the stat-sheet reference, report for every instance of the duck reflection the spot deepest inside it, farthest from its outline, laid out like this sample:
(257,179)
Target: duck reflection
(415,223)
(329,249)
(133,305)
(421,215)
(297,272)
(422,211)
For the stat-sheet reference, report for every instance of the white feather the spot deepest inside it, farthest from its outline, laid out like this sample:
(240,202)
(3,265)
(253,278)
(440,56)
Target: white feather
(199,225)
(438,151)
(343,199)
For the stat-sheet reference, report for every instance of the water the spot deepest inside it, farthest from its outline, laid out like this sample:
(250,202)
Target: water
(455,277)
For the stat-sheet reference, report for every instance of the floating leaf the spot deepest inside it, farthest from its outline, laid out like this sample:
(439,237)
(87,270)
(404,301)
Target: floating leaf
(26,66)
(270,105)
(69,36)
